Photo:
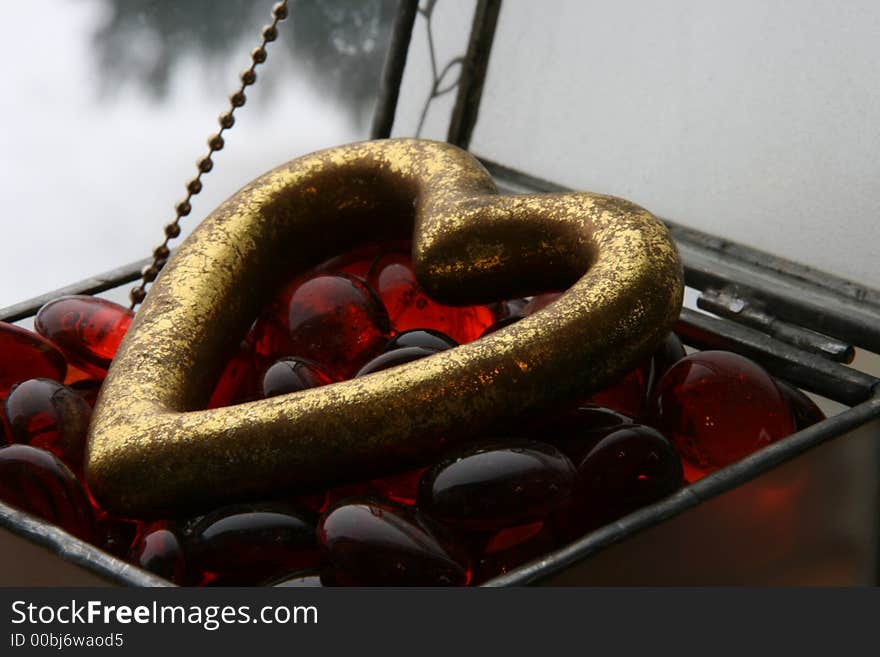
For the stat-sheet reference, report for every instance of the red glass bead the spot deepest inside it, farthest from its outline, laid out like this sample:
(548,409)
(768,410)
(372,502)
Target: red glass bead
(358,261)
(423,338)
(629,468)
(239,382)
(26,355)
(718,407)
(88,389)
(577,431)
(45,414)
(373,543)
(321,500)
(803,409)
(491,487)
(394,358)
(114,534)
(511,548)
(87,329)
(292,375)
(410,308)
(337,322)
(629,394)
(269,338)
(667,354)
(402,488)
(246,544)
(159,549)
(36,481)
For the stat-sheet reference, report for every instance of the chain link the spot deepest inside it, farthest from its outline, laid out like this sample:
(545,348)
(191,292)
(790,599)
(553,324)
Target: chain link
(205,164)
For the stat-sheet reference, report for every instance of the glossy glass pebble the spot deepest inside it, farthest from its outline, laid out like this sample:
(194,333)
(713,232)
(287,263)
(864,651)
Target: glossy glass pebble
(373,543)
(511,548)
(576,432)
(667,354)
(357,262)
(46,414)
(159,549)
(239,381)
(629,468)
(629,394)
(718,407)
(410,308)
(113,534)
(38,482)
(245,544)
(491,487)
(292,375)
(321,500)
(421,338)
(402,488)
(88,389)
(803,409)
(393,358)
(26,355)
(338,323)
(500,324)
(87,329)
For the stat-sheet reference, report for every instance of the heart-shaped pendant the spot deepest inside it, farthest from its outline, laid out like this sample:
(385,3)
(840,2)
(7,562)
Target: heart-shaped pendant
(150,451)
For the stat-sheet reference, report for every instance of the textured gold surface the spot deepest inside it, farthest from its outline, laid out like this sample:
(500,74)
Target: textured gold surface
(151,452)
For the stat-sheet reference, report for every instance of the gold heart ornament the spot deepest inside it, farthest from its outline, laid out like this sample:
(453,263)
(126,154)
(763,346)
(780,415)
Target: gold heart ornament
(151,451)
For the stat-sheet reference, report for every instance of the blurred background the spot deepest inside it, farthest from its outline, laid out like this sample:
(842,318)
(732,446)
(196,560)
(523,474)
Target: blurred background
(756,120)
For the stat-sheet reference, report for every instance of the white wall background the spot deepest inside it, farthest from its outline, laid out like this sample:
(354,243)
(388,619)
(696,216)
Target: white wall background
(758,120)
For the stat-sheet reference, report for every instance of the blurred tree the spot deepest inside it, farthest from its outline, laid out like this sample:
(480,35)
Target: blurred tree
(339,44)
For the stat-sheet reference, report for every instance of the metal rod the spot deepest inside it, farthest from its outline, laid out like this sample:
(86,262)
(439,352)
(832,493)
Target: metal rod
(803,369)
(473,73)
(743,310)
(392,71)
(93,285)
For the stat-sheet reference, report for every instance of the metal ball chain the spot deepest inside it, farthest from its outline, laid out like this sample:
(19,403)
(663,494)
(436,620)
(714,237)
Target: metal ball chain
(205,164)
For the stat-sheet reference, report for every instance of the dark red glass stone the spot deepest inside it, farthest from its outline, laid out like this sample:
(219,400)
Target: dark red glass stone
(422,338)
(338,323)
(410,308)
(577,431)
(511,548)
(114,534)
(393,358)
(292,375)
(667,354)
(357,262)
(718,407)
(159,549)
(491,487)
(38,482)
(88,389)
(87,329)
(375,543)
(239,381)
(46,414)
(803,409)
(629,394)
(321,500)
(245,544)
(26,355)
(629,468)
(402,488)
